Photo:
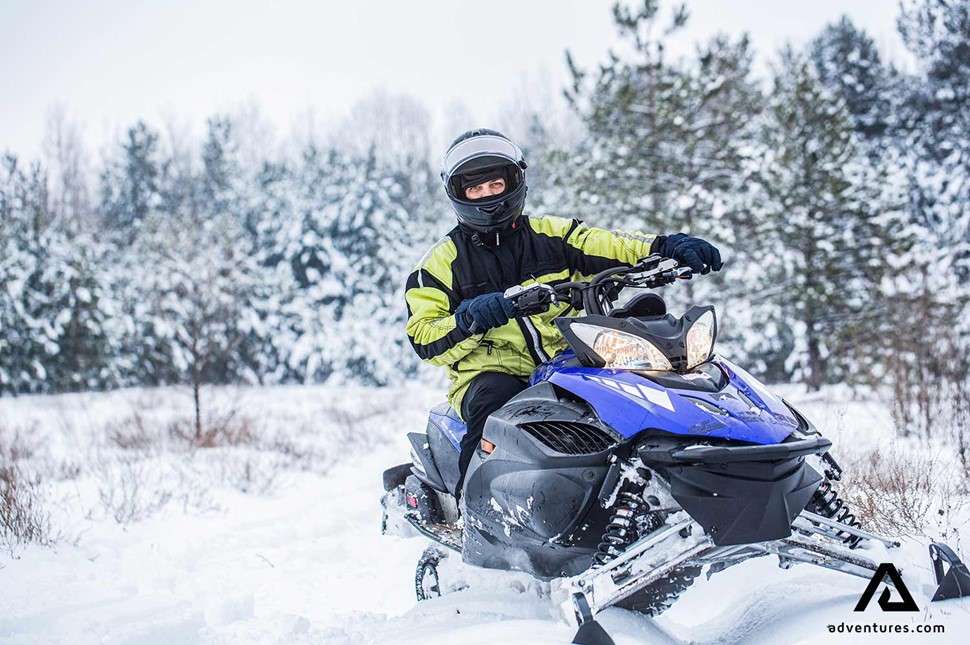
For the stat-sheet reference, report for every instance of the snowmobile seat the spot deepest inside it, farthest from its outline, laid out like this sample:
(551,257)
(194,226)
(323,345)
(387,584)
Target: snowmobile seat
(444,417)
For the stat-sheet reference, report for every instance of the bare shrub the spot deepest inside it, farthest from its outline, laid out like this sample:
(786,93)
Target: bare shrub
(145,465)
(249,477)
(961,422)
(227,429)
(23,519)
(148,463)
(126,490)
(132,433)
(132,487)
(251,471)
(64,470)
(904,493)
(136,433)
(362,429)
(15,447)
(303,457)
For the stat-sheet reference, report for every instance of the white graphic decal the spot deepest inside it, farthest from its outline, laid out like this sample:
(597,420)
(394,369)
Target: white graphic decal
(657,397)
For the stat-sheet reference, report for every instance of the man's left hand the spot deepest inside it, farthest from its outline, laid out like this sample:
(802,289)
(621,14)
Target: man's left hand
(700,255)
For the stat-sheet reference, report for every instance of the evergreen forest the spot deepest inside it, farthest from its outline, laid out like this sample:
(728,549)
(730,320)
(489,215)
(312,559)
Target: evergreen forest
(837,187)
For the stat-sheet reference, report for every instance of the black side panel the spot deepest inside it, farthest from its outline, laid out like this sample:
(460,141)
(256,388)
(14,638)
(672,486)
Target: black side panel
(445,456)
(424,467)
(394,477)
(525,501)
(744,502)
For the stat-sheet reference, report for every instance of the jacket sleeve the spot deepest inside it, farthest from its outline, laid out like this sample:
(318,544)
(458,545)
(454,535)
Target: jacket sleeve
(591,250)
(432,329)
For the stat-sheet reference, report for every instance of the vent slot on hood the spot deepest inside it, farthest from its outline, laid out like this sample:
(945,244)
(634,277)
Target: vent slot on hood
(569,438)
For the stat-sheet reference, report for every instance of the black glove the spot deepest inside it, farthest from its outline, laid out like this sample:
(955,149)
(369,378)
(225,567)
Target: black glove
(484,312)
(700,255)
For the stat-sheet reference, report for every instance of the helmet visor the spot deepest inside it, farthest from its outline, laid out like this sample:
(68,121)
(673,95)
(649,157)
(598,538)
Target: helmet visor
(475,147)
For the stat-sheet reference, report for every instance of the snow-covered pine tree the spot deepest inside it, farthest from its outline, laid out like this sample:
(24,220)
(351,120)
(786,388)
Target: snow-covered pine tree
(272,224)
(129,183)
(138,187)
(55,306)
(78,288)
(369,233)
(665,137)
(825,232)
(848,64)
(195,298)
(631,110)
(292,240)
(204,288)
(935,124)
(931,362)
(24,340)
(229,184)
(669,147)
(395,129)
(232,191)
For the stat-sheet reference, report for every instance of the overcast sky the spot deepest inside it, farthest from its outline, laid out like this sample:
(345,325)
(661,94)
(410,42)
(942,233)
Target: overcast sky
(111,62)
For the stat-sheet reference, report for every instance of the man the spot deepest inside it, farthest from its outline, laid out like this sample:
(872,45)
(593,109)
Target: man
(457,315)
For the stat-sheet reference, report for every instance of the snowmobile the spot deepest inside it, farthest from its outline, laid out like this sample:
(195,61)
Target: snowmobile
(633,460)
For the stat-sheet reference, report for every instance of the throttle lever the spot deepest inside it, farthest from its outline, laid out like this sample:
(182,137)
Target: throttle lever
(680,273)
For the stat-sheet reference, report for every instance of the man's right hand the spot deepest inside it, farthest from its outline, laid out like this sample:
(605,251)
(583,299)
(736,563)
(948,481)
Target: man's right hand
(484,312)
(700,255)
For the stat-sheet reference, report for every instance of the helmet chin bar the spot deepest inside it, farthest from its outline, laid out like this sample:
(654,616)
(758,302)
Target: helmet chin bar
(491,210)
(492,213)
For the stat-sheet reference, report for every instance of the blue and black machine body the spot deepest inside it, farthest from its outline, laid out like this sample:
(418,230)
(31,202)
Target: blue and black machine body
(637,423)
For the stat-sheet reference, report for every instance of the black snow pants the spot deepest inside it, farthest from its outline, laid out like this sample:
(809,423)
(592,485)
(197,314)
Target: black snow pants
(486,393)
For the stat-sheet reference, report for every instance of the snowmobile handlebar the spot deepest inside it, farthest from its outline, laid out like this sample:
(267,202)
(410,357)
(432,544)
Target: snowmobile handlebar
(596,295)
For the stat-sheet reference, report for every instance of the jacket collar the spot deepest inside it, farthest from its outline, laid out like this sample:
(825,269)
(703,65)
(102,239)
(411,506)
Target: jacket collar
(494,237)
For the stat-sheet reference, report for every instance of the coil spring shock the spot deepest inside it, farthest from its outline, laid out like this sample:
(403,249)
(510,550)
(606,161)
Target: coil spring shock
(621,531)
(827,503)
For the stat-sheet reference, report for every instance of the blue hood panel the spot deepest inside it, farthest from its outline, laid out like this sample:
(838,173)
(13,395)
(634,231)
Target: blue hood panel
(744,410)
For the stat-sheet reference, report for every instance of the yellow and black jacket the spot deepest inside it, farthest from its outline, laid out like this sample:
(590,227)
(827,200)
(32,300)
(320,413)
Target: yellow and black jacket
(460,266)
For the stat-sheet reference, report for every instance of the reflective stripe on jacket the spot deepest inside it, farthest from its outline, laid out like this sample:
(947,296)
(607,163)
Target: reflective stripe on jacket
(461,266)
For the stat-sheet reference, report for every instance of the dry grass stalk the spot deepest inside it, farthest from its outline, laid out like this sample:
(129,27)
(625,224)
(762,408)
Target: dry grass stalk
(23,519)
(224,430)
(896,491)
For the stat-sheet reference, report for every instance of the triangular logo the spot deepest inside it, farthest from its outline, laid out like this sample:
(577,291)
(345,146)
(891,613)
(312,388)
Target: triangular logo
(887,569)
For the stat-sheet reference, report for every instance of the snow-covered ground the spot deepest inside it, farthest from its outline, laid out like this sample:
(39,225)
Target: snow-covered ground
(274,535)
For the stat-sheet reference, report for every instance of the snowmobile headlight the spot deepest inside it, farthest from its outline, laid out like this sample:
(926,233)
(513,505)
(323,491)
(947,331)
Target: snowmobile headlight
(700,340)
(621,351)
